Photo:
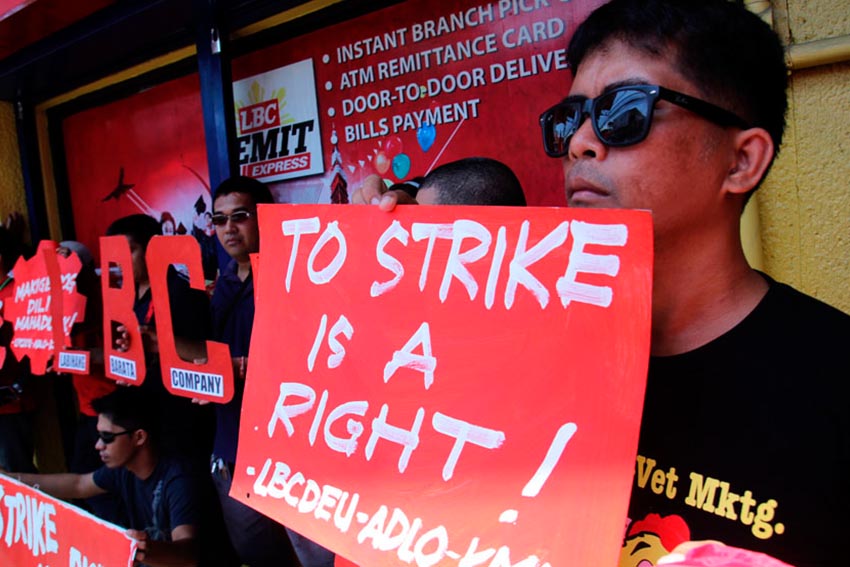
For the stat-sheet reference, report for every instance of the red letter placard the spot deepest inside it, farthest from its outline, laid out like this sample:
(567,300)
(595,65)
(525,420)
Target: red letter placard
(448,385)
(37,307)
(37,529)
(118,303)
(212,380)
(73,311)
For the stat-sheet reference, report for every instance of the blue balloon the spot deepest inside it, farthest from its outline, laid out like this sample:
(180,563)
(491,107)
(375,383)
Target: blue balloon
(425,135)
(401,166)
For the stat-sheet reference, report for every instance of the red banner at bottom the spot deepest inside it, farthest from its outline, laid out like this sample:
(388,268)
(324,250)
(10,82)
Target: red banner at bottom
(39,530)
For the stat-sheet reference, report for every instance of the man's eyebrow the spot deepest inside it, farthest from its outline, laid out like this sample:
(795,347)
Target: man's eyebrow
(625,83)
(630,82)
(236,210)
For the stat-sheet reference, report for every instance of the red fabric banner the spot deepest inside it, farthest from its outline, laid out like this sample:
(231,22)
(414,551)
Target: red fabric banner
(448,385)
(39,530)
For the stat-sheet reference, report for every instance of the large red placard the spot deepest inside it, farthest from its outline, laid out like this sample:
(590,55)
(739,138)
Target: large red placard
(448,385)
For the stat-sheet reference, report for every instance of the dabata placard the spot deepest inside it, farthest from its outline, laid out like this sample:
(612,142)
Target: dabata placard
(448,385)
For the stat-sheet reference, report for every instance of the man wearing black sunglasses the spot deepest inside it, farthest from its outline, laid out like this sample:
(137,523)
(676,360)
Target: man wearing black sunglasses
(257,539)
(678,107)
(160,494)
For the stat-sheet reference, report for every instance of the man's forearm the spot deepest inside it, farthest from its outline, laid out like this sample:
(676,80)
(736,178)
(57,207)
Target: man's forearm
(64,485)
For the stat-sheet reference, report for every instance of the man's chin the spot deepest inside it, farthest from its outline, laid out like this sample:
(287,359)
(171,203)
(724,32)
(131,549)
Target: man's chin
(235,252)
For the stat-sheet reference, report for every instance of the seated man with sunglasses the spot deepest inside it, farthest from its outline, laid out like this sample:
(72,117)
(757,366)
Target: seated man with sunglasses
(160,494)
(678,107)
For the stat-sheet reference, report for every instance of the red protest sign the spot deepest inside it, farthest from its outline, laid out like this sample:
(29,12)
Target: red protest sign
(211,380)
(118,299)
(45,292)
(74,310)
(73,303)
(448,385)
(36,529)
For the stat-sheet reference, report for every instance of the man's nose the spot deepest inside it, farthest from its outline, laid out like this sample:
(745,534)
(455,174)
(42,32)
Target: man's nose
(584,142)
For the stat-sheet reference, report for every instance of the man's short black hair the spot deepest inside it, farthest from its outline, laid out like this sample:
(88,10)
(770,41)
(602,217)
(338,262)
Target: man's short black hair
(141,228)
(129,407)
(729,53)
(475,181)
(257,190)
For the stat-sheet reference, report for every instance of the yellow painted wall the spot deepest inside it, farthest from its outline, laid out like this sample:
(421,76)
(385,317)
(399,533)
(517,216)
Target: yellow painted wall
(12,197)
(804,206)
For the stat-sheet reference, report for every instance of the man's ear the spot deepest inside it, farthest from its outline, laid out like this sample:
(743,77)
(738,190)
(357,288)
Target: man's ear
(140,437)
(753,154)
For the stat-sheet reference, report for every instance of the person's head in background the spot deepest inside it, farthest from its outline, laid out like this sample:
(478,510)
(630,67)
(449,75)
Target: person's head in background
(81,250)
(235,216)
(691,165)
(471,181)
(139,229)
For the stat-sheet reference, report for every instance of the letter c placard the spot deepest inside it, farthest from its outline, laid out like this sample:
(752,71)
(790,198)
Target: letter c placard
(218,370)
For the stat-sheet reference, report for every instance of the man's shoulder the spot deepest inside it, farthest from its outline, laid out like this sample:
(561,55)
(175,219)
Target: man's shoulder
(228,283)
(113,478)
(796,331)
(804,313)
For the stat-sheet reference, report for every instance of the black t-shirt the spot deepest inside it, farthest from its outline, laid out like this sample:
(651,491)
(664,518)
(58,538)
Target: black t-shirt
(159,503)
(747,439)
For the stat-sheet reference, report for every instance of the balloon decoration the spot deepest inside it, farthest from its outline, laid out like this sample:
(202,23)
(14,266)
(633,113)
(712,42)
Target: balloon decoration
(425,135)
(382,163)
(393,146)
(401,166)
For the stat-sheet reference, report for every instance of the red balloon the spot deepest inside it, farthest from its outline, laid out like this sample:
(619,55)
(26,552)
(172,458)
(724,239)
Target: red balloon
(382,163)
(393,146)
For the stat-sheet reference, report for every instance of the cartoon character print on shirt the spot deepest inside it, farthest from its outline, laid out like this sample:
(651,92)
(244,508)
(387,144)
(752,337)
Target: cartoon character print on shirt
(651,538)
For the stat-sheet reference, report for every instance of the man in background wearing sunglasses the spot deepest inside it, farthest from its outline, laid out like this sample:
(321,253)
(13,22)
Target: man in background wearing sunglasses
(257,539)
(160,494)
(678,107)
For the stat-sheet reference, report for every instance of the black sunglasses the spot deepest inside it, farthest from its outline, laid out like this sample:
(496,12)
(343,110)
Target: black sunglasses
(220,219)
(108,437)
(621,116)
